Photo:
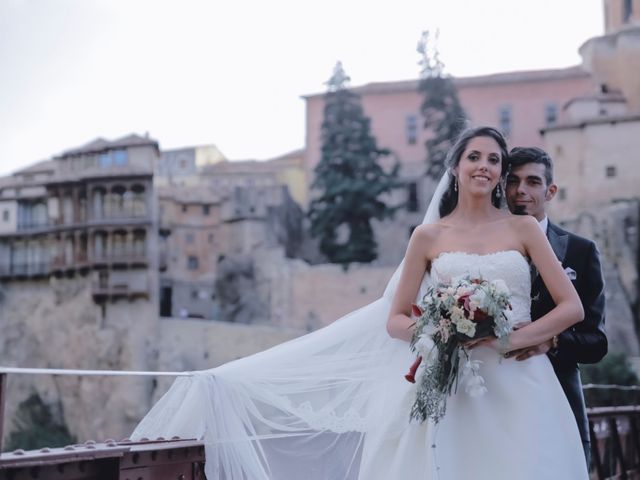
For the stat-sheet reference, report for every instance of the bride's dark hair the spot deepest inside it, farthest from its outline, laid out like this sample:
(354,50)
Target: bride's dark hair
(450,197)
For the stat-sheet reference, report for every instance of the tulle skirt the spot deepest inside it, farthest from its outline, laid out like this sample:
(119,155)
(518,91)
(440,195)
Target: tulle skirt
(334,405)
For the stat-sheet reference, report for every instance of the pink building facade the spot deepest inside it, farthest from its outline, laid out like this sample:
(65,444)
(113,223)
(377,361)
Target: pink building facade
(519,103)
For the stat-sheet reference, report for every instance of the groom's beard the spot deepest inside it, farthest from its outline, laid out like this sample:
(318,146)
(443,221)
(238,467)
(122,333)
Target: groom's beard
(519,210)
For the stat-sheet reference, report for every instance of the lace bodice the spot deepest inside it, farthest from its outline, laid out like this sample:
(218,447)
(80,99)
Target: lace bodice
(509,265)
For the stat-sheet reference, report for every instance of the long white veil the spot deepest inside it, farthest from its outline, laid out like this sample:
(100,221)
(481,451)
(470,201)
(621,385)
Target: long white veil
(332,404)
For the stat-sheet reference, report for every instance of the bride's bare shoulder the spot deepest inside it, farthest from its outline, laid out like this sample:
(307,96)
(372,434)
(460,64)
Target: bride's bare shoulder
(429,232)
(520,222)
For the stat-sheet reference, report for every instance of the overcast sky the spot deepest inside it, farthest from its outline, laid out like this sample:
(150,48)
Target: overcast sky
(232,72)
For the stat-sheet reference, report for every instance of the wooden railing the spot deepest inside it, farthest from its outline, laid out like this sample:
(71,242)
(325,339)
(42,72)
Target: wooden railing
(615,444)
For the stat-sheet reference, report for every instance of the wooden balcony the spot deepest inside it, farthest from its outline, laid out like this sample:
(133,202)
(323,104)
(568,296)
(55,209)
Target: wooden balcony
(105,291)
(25,270)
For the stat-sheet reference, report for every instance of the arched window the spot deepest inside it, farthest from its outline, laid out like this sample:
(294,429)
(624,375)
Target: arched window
(100,244)
(139,201)
(117,201)
(68,250)
(67,209)
(39,214)
(139,243)
(98,203)
(119,243)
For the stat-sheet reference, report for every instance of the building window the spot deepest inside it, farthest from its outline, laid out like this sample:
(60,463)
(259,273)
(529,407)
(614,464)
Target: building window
(206,209)
(189,238)
(411,129)
(412,197)
(550,114)
(611,171)
(104,160)
(504,119)
(210,239)
(192,262)
(562,193)
(120,157)
(194,295)
(5,215)
(628,10)
(184,208)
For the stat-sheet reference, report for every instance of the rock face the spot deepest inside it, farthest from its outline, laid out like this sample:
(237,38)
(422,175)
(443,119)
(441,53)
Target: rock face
(615,230)
(55,324)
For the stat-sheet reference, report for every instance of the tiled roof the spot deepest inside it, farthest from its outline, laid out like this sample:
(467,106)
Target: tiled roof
(39,167)
(479,80)
(100,144)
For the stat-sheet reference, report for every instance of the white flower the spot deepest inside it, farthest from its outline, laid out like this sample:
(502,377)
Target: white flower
(475,386)
(500,287)
(478,299)
(457,314)
(448,292)
(466,327)
(424,345)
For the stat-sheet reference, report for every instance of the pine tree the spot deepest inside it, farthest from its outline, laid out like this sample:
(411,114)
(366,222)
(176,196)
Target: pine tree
(443,114)
(349,180)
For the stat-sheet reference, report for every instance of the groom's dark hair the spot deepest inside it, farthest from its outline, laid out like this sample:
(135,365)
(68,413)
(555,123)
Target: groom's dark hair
(522,155)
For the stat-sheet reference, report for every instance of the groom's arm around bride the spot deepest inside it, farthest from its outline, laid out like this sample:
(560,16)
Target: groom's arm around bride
(529,187)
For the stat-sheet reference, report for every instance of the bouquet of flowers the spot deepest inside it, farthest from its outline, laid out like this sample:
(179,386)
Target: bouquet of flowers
(448,316)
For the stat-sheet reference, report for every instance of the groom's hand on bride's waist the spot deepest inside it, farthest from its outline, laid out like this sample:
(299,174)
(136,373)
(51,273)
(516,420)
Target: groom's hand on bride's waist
(525,353)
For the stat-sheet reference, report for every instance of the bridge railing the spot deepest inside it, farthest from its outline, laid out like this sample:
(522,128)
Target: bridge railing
(614,430)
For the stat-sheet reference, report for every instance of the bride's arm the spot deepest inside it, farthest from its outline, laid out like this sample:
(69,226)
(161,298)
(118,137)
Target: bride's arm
(399,323)
(568,309)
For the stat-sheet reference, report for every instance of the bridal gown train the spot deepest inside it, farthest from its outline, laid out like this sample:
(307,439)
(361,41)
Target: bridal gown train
(334,405)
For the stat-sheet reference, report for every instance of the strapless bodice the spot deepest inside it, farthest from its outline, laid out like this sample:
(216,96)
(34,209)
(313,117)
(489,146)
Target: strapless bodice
(508,265)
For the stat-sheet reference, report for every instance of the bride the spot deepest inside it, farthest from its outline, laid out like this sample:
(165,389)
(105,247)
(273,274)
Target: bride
(334,405)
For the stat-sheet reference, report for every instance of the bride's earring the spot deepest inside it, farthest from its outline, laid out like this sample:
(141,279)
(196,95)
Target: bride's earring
(498,191)
(455,184)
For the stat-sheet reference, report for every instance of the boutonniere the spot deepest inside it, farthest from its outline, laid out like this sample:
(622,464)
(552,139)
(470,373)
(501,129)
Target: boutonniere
(571,273)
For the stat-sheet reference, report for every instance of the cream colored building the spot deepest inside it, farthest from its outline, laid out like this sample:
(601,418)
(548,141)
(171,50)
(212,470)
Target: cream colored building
(595,146)
(182,166)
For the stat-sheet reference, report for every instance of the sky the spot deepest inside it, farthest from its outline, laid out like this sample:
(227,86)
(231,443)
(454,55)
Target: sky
(232,72)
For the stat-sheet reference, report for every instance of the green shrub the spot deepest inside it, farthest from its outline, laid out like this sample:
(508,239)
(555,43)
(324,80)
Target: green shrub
(614,369)
(35,427)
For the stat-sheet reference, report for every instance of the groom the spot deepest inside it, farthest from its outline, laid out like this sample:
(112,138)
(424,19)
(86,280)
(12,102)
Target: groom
(529,187)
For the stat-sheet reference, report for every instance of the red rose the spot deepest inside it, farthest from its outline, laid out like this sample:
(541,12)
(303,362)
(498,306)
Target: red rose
(416,310)
(480,316)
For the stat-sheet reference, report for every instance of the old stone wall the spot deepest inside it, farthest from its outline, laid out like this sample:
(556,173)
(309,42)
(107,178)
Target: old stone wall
(55,324)
(614,228)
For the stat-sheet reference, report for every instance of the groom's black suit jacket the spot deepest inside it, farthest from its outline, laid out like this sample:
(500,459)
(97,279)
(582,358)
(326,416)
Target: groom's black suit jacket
(586,341)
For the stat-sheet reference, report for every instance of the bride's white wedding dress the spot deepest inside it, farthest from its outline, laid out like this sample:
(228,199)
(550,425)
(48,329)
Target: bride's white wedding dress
(334,405)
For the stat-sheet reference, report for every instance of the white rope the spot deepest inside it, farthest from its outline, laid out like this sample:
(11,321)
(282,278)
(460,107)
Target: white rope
(110,373)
